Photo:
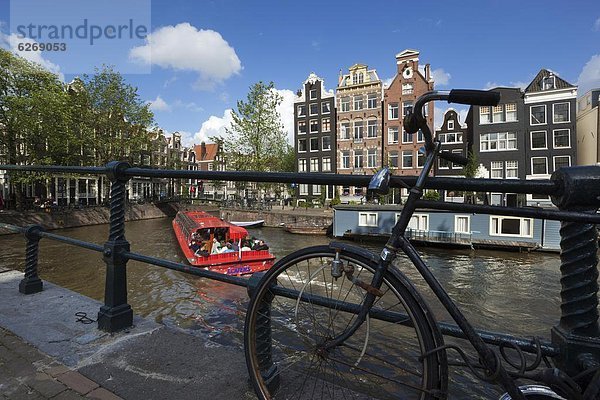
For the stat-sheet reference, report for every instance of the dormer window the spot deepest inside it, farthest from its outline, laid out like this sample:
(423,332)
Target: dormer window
(549,83)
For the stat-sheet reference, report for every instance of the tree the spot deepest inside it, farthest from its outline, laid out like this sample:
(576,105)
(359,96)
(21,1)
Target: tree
(256,140)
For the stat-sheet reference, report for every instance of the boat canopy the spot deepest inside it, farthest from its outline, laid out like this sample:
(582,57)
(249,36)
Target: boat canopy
(193,221)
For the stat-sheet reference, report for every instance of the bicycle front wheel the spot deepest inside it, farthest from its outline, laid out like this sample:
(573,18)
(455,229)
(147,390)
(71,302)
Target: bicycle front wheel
(299,305)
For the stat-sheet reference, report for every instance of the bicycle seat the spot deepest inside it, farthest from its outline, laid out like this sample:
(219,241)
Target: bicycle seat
(380,182)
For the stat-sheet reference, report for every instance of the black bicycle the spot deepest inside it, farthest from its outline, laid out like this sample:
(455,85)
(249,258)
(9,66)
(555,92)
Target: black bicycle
(338,321)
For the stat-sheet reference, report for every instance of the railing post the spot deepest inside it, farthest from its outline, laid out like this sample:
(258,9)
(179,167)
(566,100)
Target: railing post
(267,369)
(116,314)
(578,332)
(31,283)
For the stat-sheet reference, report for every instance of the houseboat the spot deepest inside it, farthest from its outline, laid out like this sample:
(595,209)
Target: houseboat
(200,227)
(448,229)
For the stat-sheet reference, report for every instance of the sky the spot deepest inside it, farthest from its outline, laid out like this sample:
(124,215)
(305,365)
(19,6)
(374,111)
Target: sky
(200,57)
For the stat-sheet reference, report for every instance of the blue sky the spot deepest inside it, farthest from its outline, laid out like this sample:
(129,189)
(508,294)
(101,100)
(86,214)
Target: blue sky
(205,54)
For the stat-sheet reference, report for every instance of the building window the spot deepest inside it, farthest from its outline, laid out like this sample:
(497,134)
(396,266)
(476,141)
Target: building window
(561,112)
(443,163)
(326,164)
(498,114)
(406,137)
(538,140)
(393,159)
(496,170)
(537,115)
(485,116)
(314,165)
(301,127)
(512,169)
(372,100)
(420,159)
(371,158)
(358,159)
(358,103)
(511,226)
(498,141)
(325,108)
(301,145)
(418,222)
(562,161)
(393,111)
(303,189)
(358,130)
(345,160)
(393,135)
(314,125)
(407,107)
(367,219)
(457,166)
(302,165)
(345,104)
(407,88)
(539,166)
(562,138)
(301,110)
(462,224)
(548,82)
(316,189)
(372,128)
(325,125)
(345,130)
(454,137)
(314,109)
(421,137)
(313,94)
(326,143)
(450,125)
(314,144)
(407,159)
(511,112)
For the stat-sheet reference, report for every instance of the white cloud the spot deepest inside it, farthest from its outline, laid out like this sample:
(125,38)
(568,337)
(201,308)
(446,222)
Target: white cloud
(183,47)
(519,84)
(589,78)
(286,112)
(159,104)
(11,42)
(214,126)
(596,26)
(491,85)
(440,76)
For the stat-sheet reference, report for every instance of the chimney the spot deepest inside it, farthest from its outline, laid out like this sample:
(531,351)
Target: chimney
(427,72)
(202,150)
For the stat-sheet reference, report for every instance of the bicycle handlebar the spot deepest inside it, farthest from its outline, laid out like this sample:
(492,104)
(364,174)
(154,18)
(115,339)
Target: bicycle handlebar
(474,97)
(453,157)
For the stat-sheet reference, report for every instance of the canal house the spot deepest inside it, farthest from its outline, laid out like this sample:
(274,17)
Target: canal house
(444,228)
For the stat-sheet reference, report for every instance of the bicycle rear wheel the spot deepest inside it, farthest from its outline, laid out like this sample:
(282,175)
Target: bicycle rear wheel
(298,305)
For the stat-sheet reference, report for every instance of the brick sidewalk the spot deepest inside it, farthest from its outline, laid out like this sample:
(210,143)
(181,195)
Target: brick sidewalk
(27,373)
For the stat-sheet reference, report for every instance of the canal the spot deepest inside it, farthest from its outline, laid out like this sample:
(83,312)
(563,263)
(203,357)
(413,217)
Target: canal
(512,292)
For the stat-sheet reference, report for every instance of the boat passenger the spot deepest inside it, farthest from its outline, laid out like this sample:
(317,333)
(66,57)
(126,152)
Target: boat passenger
(215,246)
(261,246)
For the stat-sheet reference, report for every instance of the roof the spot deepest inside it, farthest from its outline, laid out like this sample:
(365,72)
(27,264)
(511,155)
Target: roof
(193,220)
(536,83)
(210,151)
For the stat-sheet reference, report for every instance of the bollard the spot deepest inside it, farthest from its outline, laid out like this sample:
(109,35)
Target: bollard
(578,333)
(31,283)
(116,314)
(268,370)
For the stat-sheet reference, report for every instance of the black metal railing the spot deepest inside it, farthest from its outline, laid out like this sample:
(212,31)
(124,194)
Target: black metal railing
(575,191)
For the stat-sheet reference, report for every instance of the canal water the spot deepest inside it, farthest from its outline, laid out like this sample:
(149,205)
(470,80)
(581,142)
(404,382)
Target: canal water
(500,291)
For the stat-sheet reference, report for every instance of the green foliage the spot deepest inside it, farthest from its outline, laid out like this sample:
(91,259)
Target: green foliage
(431,195)
(336,200)
(470,169)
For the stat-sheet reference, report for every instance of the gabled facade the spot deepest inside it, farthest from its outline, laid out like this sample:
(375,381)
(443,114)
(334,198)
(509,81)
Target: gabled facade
(359,122)
(499,141)
(402,149)
(588,127)
(315,135)
(551,139)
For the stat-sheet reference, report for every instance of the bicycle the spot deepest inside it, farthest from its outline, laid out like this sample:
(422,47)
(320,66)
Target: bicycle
(324,320)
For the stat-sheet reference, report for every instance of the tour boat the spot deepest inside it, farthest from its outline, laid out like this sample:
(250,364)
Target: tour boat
(205,225)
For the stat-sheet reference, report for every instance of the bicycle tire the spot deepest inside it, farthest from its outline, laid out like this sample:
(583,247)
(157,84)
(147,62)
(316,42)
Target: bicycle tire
(284,361)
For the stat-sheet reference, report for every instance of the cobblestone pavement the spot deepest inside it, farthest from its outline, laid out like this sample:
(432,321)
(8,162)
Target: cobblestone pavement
(27,373)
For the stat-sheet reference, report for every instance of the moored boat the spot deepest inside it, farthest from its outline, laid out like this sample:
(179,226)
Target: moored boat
(198,226)
(249,224)
(306,229)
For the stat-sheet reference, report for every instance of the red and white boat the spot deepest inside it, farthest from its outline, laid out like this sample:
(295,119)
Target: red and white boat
(205,225)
